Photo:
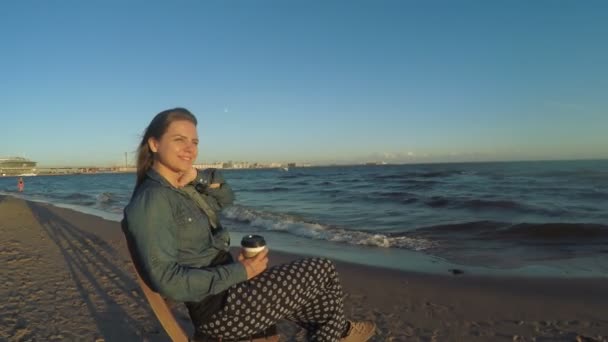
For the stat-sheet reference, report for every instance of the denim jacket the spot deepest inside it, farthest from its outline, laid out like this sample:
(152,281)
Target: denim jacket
(173,241)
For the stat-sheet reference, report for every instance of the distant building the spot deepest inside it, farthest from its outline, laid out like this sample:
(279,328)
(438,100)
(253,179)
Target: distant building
(17,166)
(245,165)
(209,166)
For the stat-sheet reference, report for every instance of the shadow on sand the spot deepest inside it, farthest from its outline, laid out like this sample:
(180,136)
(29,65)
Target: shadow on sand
(110,294)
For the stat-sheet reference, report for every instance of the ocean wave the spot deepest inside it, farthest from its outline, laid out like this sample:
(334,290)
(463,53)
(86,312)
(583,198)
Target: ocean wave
(552,231)
(595,194)
(325,183)
(439,174)
(74,196)
(9,190)
(290,175)
(477,204)
(107,198)
(264,190)
(267,221)
(332,191)
(302,182)
(391,176)
(503,231)
(413,184)
(84,206)
(402,197)
(391,194)
(482,204)
(418,174)
(437,202)
(579,173)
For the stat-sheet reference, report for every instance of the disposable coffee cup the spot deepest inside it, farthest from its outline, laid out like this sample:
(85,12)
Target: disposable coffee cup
(252,245)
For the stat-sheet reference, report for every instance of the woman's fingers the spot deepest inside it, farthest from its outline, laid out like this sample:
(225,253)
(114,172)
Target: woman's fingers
(257,264)
(187,177)
(262,254)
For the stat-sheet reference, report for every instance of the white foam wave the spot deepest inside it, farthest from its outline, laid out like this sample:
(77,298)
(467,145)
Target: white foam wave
(267,221)
(104,197)
(113,215)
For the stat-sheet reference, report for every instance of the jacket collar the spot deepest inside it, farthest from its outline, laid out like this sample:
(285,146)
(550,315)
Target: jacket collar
(155,176)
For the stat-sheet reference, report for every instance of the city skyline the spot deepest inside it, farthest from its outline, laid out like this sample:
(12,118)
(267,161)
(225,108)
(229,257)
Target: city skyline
(344,82)
(420,160)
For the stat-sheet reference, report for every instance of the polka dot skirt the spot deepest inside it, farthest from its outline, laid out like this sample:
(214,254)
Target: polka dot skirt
(307,292)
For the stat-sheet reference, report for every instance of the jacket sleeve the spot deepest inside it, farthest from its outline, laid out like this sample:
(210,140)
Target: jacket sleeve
(150,223)
(220,197)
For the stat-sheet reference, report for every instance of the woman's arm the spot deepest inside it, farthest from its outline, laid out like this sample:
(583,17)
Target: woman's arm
(150,223)
(212,184)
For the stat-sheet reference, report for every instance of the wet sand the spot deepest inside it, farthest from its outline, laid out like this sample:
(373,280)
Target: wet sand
(66,276)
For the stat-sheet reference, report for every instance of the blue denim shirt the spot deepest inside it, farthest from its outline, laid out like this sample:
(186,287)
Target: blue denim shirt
(173,241)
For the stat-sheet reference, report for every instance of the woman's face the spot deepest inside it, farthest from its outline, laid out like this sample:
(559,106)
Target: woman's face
(176,150)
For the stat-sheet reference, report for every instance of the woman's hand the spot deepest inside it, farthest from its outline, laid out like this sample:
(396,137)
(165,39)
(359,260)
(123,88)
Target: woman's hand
(190,176)
(255,265)
(187,177)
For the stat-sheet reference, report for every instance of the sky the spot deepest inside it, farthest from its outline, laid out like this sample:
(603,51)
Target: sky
(316,81)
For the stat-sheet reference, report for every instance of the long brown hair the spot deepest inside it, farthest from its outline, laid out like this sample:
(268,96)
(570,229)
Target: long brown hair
(157,127)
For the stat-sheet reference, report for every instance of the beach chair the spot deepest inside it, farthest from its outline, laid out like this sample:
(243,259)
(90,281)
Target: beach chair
(167,319)
(163,312)
(161,308)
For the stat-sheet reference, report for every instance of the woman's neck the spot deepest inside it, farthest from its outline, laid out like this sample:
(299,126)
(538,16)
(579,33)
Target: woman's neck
(168,174)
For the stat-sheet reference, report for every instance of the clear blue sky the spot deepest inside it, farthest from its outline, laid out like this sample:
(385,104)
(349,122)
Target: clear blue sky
(316,81)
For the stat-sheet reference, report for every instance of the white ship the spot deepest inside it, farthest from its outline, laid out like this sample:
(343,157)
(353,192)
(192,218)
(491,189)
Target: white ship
(17,166)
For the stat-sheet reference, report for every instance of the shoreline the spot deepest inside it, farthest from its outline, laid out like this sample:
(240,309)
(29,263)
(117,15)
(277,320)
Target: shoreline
(68,276)
(373,256)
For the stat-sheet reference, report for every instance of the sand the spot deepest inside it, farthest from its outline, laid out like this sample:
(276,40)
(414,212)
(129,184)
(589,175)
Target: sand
(66,276)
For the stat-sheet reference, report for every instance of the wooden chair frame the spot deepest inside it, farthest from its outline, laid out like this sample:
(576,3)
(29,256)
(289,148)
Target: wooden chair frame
(162,311)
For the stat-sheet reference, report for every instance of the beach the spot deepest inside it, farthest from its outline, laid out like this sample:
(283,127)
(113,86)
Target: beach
(66,276)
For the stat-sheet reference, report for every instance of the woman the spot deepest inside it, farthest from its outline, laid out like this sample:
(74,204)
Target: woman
(20,184)
(182,250)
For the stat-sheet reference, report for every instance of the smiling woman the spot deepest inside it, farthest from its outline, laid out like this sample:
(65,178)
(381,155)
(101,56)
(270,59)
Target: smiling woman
(175,151)
(169,145)
(182,252)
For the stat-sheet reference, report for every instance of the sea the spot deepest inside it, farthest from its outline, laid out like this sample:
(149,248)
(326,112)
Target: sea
(532,218)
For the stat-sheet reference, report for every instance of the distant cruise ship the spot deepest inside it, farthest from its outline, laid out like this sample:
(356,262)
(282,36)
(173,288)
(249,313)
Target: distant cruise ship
(17,166)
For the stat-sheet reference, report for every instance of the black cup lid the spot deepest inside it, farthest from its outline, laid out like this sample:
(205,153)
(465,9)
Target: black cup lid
(252,241)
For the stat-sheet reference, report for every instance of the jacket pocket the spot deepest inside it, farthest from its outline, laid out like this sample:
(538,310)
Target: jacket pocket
(193,235)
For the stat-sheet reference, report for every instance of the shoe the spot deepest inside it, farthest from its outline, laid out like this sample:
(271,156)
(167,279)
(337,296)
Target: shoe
(360,331)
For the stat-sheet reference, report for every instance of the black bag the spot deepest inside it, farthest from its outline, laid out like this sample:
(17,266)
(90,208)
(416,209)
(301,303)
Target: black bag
(201,311)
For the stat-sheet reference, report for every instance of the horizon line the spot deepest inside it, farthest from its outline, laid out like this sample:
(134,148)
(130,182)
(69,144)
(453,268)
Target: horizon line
(363,163)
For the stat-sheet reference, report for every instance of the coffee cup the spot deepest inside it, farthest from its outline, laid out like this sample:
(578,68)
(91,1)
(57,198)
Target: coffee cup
(252,245)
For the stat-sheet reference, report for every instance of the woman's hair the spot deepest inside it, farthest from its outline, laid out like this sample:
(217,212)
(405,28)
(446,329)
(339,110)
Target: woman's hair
(157,127)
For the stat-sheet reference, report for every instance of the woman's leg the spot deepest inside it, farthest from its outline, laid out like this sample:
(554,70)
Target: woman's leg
(306,291)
